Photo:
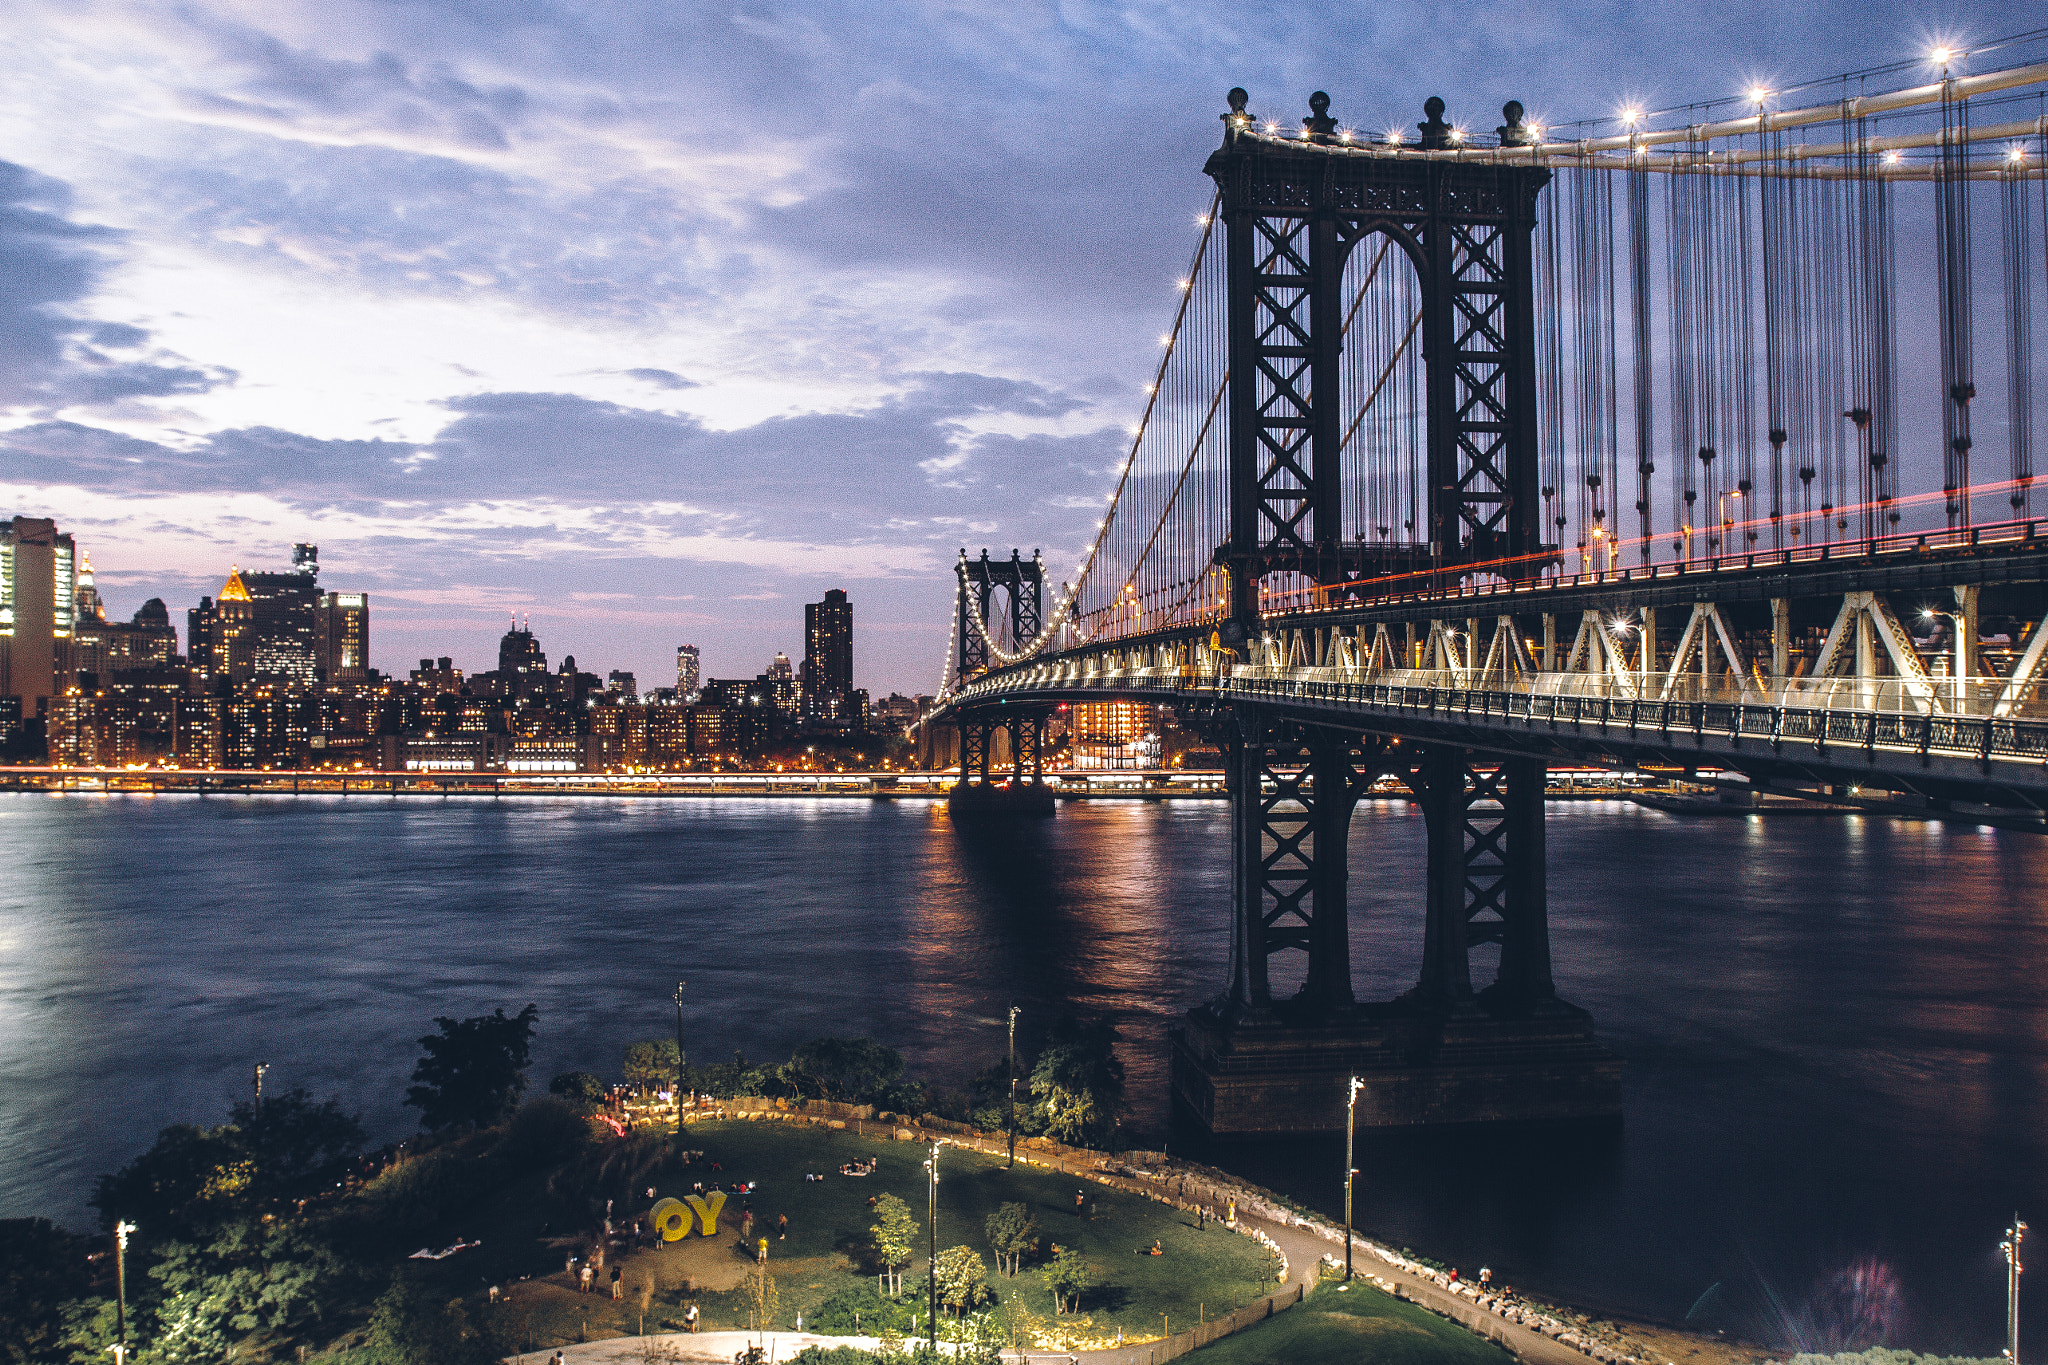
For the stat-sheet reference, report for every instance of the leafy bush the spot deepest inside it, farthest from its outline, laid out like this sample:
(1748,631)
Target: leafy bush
(859,1310)
(579,1088)
(546,1131)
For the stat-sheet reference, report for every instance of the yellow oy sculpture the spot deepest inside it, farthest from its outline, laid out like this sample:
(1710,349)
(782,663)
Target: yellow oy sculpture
(707,1207)
(671,1220)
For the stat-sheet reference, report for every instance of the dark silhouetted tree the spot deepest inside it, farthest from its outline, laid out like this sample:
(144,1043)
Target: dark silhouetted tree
(474,1070)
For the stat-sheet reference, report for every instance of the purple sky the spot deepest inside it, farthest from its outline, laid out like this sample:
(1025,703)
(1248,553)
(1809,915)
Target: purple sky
(655,320)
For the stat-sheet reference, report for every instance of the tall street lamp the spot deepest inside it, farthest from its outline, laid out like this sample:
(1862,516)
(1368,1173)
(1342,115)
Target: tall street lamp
(2011,1247)
(121,1231)
(679,1057)
(1350,1157)
(259,1069)
(931,1167)
(1014,1012)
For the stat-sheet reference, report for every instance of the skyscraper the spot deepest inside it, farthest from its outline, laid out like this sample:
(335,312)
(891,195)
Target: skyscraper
(284,617)
(828,657)
(38,583)
(344,636)
(687,670)
(220,631)
(519,652)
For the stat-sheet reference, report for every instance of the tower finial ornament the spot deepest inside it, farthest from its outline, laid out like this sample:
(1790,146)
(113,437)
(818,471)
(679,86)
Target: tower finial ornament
(1436,133)
(1514,133)
(1319,126)
(1237,120)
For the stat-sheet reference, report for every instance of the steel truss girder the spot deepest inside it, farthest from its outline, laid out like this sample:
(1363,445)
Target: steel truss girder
(1292,791)
(1293,217)
(1486,880)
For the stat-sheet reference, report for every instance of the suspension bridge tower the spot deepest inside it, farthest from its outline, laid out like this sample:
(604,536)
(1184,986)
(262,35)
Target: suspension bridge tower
(1256,1059)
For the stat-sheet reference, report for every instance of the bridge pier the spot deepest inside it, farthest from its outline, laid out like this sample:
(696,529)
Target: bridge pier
(1442,1052)
(980,792)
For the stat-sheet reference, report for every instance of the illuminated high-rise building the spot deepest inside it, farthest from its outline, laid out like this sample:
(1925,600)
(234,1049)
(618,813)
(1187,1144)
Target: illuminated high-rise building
(344,636)
(828,657)
(38,587)
(219,634)
(519,652)
(688,670)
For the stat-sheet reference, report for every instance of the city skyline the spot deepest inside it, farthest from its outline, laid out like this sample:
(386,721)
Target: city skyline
(669,317)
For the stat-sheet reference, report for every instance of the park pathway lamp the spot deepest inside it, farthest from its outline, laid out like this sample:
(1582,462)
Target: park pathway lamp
(1014,1012)
(259,1069)
(931,1168)
(2011,1247)
(120,1347)
(1350,1157)
(678,1057)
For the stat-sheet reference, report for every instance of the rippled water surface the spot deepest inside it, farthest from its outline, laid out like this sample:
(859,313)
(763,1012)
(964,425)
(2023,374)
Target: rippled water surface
(1835,1030)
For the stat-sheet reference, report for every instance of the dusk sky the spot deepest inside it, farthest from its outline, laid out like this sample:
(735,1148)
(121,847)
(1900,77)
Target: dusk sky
(656,320)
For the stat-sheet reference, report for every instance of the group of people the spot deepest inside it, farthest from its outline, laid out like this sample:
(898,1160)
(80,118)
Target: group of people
(864,1166)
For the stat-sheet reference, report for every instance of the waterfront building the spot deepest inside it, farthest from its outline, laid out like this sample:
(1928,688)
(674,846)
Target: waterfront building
(38,586)
(688,671)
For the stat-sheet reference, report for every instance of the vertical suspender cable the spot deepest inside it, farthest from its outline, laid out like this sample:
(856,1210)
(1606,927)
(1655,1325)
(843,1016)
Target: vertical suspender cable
(1952,228)
(1776,193)
(2016,239)
(1639,329)
(1550,348)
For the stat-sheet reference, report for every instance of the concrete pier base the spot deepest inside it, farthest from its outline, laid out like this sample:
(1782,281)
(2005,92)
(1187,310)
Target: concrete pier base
(1420,1068)
(987,800)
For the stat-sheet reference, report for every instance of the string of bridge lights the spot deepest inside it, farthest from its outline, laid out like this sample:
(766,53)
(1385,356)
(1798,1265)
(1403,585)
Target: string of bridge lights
(1071,592)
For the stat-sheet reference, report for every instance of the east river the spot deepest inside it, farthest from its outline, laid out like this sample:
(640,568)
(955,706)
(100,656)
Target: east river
(1836,1030)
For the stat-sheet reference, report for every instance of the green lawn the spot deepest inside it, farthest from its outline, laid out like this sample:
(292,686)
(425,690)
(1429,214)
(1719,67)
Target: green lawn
(1358,1324)
(829,1247)
(1202,1271)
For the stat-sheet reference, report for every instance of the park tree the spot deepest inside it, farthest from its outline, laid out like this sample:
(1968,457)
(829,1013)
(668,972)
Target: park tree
(581,1090)
(762,1299)
(849,1070)
(1012,1231)
(474,1070)
(413,1325)
(1068,1277)
(651,1063)
(41,1267)
(1077,1083)
(895,1238)
(963,1279)
(298,1147)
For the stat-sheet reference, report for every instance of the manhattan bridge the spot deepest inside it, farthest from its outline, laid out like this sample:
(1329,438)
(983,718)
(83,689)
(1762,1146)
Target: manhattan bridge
(1693,438)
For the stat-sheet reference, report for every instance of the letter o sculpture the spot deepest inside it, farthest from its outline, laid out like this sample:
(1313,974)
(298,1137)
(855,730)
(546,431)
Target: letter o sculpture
(671,1220)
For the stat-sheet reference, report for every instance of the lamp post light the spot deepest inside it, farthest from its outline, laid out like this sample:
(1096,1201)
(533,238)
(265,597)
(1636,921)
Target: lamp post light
(1350,1169)
(2011,1247)
(121,1231)
(931,1167)
(679,1057)
(1014,1012)
(259,1069)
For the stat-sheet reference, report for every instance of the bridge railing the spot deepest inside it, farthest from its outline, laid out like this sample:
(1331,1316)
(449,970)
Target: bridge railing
(1955,696)
(1817,716)
(1505,576)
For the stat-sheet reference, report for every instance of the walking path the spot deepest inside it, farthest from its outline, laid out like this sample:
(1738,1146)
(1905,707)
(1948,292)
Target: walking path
(1303,1243)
